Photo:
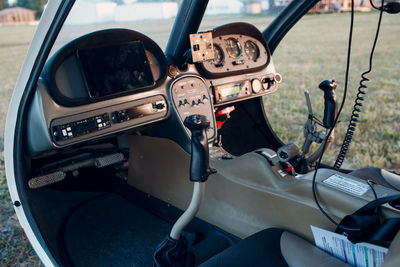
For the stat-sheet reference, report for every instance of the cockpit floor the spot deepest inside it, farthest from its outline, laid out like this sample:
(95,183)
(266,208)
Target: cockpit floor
(111,231)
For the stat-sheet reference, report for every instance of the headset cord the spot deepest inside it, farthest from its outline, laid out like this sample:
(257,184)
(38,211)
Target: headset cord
(347,229)
(336,120)
(355,114)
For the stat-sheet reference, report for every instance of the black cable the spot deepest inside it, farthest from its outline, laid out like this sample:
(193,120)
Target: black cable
(339,112)
(355,114)
(336,119)
(371,183)
(373,5)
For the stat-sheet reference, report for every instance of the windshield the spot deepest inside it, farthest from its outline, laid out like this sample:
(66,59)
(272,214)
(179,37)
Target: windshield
(154,19)
(258,13)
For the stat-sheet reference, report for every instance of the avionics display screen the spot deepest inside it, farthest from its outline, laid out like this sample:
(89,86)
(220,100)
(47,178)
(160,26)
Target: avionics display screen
(228,91)
(114,69)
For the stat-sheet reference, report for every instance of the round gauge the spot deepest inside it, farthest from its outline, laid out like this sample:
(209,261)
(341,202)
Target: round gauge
(256,85)
(218,60)
(251,50)
(233,48)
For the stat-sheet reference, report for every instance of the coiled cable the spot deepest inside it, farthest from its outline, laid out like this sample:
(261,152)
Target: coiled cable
(314,184)
(314,192)
(355,114)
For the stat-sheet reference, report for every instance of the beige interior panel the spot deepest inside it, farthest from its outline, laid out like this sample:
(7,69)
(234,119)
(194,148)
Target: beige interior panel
(246,195)
(393,257)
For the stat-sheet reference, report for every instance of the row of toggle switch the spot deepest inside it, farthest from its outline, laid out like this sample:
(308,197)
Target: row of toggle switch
(194,103)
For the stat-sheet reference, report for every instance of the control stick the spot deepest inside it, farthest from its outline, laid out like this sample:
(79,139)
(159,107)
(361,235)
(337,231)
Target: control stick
(173,250)
(200,160)
(311,132)
(330,110)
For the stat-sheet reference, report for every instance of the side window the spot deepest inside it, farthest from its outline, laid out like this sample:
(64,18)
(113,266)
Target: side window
(316,49)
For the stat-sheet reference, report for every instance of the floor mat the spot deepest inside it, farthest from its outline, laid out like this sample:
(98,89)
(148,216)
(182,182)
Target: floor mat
(111,231)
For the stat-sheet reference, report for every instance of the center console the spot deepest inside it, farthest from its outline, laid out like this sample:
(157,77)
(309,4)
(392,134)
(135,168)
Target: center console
(190,95)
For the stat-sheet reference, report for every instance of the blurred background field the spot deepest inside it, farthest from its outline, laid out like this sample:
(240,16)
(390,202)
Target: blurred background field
(15,249)
(315,49)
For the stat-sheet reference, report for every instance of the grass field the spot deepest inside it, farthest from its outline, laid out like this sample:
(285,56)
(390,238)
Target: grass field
(315,49)
(15,249)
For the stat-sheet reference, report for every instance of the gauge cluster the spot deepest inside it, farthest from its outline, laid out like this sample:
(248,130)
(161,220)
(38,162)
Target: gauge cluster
(242,67)
(238,48)
(235,53)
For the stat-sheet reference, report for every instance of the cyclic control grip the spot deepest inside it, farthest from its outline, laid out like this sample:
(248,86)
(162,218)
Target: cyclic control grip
(330,110)
(200,159)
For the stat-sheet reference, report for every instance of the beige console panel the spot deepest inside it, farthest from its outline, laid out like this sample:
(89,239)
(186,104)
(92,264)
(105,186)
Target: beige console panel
(246,195)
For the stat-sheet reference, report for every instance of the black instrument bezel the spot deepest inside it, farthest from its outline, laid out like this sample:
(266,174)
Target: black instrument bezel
(240,28)
(105,38)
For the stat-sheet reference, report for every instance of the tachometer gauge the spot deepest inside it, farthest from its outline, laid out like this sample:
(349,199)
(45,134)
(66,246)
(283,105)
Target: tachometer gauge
(218,60)
(251,50)
(233,48)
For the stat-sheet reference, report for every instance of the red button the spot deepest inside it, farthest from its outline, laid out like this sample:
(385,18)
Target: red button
(192,84)
(182,87)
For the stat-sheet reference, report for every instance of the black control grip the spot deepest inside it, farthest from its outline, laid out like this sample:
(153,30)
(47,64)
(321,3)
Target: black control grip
(330,110)
(200,159)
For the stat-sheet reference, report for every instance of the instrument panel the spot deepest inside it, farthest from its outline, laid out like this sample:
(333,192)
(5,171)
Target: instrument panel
(116,80)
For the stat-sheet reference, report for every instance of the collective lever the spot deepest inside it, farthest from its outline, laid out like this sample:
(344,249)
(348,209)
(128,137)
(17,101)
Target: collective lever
(173,250)
(311,132)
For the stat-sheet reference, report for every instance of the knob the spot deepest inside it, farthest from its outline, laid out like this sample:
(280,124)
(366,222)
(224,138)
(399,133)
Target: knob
(328,85)
(267,82)
(159,106)
(278,78)
(330,110)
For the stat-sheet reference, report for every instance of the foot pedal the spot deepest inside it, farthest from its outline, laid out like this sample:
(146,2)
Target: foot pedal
(108,160)
(51,178)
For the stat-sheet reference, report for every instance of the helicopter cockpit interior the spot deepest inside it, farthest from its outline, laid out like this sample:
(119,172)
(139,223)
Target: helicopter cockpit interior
(123,153)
